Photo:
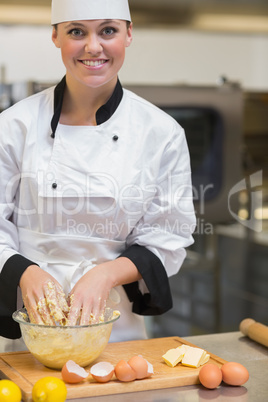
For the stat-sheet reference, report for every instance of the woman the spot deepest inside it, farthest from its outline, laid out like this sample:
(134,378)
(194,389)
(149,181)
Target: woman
(97,186)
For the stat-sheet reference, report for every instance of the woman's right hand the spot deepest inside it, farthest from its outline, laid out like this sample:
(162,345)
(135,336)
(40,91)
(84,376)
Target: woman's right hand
(43,297)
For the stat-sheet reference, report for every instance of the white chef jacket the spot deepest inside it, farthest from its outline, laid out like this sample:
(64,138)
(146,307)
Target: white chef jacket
(84,197)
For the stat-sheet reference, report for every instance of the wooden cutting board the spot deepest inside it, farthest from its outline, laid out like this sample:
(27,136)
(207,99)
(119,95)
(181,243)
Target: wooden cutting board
(25,370)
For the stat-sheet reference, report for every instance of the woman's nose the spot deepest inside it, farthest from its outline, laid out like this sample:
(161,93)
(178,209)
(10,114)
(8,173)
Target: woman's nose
(93,45)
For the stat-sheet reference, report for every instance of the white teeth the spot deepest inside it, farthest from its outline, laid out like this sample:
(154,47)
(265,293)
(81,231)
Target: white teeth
(93,63)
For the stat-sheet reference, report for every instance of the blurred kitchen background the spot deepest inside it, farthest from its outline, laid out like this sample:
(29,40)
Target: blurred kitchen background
(206,63)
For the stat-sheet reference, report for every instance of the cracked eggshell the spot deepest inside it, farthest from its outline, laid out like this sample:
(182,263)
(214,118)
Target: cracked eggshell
(72,373)
(124,372)
(140,366)
(102,371)
(150,369)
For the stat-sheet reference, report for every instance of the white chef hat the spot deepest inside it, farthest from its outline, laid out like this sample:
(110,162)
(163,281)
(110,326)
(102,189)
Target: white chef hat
(74,10)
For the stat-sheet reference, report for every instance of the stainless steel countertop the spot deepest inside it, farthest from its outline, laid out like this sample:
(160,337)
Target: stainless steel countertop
(232,346)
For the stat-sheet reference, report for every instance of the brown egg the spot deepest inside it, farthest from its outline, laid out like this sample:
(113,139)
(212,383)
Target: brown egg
(210,376)
(234,373)
(102,371)
(72,373)
(140,366)
(124,372)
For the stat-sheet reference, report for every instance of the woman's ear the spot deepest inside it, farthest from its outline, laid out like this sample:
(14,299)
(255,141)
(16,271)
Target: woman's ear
(129,35)
(55,37)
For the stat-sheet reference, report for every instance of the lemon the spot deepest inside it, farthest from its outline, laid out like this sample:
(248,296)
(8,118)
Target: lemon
(49,389)
(9,391)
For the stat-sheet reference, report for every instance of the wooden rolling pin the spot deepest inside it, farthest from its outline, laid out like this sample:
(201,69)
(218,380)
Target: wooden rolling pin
(255,331)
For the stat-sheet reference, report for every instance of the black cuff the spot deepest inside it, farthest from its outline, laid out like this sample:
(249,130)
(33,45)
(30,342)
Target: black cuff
(9,328)
(9,282)
(159,299)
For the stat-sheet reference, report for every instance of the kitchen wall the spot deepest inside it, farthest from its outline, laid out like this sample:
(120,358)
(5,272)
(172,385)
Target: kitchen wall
(155,56)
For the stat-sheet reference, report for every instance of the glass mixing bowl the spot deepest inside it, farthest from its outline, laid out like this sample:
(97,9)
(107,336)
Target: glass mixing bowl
(53,346)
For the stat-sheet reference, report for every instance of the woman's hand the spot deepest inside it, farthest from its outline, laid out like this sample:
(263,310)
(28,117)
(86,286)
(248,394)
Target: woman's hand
(89,295)
(43,297)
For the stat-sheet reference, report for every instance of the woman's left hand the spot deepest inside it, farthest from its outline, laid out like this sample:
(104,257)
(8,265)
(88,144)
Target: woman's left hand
(89,295)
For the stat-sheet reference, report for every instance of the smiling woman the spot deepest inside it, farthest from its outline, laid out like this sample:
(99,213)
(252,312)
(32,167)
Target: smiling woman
(93,52)
(78,153)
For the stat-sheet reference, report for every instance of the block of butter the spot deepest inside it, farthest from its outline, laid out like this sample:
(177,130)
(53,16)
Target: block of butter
(187,356)
(195,357)
(174,356)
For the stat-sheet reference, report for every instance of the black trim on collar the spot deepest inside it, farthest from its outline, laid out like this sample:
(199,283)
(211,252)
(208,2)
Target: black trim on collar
(58,99)
(102,114)
(108,109)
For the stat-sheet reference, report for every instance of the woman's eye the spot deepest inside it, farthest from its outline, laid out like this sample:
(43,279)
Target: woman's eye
(109,31)
(76,32)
